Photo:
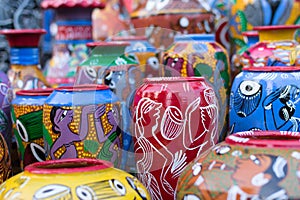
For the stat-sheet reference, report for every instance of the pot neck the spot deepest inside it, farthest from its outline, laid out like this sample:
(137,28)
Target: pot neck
(24,56)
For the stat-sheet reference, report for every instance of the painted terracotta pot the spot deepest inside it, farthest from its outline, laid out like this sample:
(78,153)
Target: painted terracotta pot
(73,179)
(25,70)
(82,122)
(247,165)
(175,119)
(27,115)
(72,29)
(6,96)
(5,160)
(167,18)
(265,98)
(109,65)
(244,15)
(276,47)
(144,53)
(200,55)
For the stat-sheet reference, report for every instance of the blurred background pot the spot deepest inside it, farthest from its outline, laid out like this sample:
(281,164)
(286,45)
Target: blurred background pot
(201,55)
(144,53)
(25,70)
(83,122)
(265,98)
(257,165)
(175,119)
(27,115)
(73,179)
(244,15)
(162,20)
(72,29)
(5,160)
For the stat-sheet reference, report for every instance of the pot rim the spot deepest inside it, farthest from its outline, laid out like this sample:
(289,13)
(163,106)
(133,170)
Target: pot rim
(83,87)
(107,44)
(272,69)
(275,27)
(173,79)
(129,38)
(22,31)
(269,139)
(66,166)
(35,92)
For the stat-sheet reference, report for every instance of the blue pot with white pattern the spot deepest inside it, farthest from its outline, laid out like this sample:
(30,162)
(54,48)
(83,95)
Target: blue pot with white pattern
(265,98)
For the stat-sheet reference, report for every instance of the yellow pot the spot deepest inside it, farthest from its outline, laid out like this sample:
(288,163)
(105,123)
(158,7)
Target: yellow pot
(73,179)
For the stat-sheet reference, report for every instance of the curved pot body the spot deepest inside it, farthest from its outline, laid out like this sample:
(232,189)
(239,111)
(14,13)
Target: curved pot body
(82,122)
(200,55)
(27,115)
(265,98)
(175,119)
(73,179)
(247,165)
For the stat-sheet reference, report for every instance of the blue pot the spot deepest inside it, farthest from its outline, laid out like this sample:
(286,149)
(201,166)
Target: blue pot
(265,98)
(27,116)
(83,122)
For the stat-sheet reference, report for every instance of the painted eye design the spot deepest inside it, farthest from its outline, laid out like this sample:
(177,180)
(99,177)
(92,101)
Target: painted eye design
(84,193)
(22,130)
(53,191)
(118,186)
(247,97)
(90,72)
(63,115)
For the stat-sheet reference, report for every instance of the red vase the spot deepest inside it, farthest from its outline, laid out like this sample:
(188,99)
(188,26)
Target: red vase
(175,119)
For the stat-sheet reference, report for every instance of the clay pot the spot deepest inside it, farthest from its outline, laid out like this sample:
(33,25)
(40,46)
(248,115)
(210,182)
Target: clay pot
(247,165)
(175,119)
(73,179)
(82,122)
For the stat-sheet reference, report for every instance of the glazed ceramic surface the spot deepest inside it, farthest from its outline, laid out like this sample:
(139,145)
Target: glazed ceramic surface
(167,18)
(73,179)
(265,98)
(244,15)
(175,119)
(6,96)
(200,55)
(72,29)
(82,122)
(109,65)
(144,53)
(27,115)
(25,70)
(5,160)
(248,165)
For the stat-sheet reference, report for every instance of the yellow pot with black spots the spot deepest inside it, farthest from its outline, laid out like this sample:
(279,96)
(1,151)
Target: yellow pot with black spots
(84,179)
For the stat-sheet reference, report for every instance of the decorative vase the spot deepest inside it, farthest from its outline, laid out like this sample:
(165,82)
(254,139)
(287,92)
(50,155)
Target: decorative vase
(73,179)
(5,160)
(25,70)
(265,98)
(244,15)
(144,53)
(276,47)
(200,55)
(175,119)
(82,122)
(6,96)
(248,165)
(109,65)
(27,115)
(72,29)
(167,18)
